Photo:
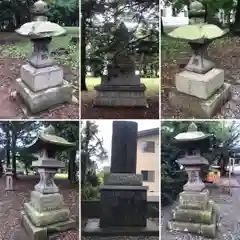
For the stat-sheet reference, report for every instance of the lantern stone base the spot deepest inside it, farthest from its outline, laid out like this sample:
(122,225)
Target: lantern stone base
(38,79)
(200,107)
(40,219)
(42,233)
(200,85)
(120,96)
(44,214)
(199,217)
(44,99)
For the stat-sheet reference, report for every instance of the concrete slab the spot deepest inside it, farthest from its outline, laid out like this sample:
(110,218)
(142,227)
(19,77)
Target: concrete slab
(92,229)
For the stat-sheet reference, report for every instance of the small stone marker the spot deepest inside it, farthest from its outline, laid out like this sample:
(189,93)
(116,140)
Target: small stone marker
(9,179)
(200,88)
(41,84)
(46,211)
(195,212)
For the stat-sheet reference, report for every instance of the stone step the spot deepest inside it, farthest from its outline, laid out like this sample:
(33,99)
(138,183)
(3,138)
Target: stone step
(193,215)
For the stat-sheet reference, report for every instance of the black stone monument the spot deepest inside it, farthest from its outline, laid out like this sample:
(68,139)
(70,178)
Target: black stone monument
(123,197)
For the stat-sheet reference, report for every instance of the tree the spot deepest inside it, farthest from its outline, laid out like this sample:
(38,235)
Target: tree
(92,149)
(99,20)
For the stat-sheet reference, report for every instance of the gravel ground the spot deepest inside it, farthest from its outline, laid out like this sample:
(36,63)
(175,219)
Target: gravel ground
(11,203)
(122,237)
(229,222)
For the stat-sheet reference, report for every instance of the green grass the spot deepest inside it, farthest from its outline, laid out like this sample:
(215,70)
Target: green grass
(152,84)
(23,48)
(61,176)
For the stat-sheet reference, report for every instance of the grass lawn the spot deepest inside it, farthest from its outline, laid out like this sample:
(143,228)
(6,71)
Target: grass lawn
(61,176)
(152,84)
(23,48)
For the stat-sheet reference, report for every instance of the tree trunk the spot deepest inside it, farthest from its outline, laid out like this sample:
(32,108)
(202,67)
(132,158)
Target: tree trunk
(8,146)
(235,27)
(83,51)
(72,166)
(14,165)
(26,169)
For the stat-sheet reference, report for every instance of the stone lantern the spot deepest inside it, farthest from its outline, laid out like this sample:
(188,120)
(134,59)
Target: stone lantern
(9,179)
(41,84)
(200,88)
(46,210)
(195,212)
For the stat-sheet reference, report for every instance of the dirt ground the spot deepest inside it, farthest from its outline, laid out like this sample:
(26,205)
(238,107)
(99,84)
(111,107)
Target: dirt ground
(229,222)
(90,112)
(225,53)
(11,203)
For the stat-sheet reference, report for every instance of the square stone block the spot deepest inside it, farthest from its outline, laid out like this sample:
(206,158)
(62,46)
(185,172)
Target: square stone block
(194,200)
(123,206)
(42,100)
(197,107)
(41,233)
(200,85)
(38,79)
(46,202)
(41,219)
(120,96)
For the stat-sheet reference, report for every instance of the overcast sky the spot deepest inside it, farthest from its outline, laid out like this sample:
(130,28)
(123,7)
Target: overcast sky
(105,131)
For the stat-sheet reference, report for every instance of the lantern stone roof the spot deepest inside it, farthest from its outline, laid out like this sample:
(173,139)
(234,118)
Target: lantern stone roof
(192,134)
(40,27)
(48,139)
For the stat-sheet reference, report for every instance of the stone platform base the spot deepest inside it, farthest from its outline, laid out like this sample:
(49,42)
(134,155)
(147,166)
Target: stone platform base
(120,96)
(207,230)
(199,107)
(92,229)
(41,233)
(46,218)
(42,100)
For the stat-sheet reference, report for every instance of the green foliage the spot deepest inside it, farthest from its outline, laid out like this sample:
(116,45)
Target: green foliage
(89,192)
(92,151)
(98,37)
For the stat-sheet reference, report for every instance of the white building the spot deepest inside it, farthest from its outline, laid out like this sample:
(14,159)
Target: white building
(181,18)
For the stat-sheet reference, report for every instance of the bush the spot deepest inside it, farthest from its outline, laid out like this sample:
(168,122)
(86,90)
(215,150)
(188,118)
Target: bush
(89,192)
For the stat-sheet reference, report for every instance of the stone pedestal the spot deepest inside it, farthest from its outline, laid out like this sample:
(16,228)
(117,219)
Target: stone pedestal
(42,87)
(201,95)
(120,93)
(46,213)
(9,180)
(195,213)
(123,209)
